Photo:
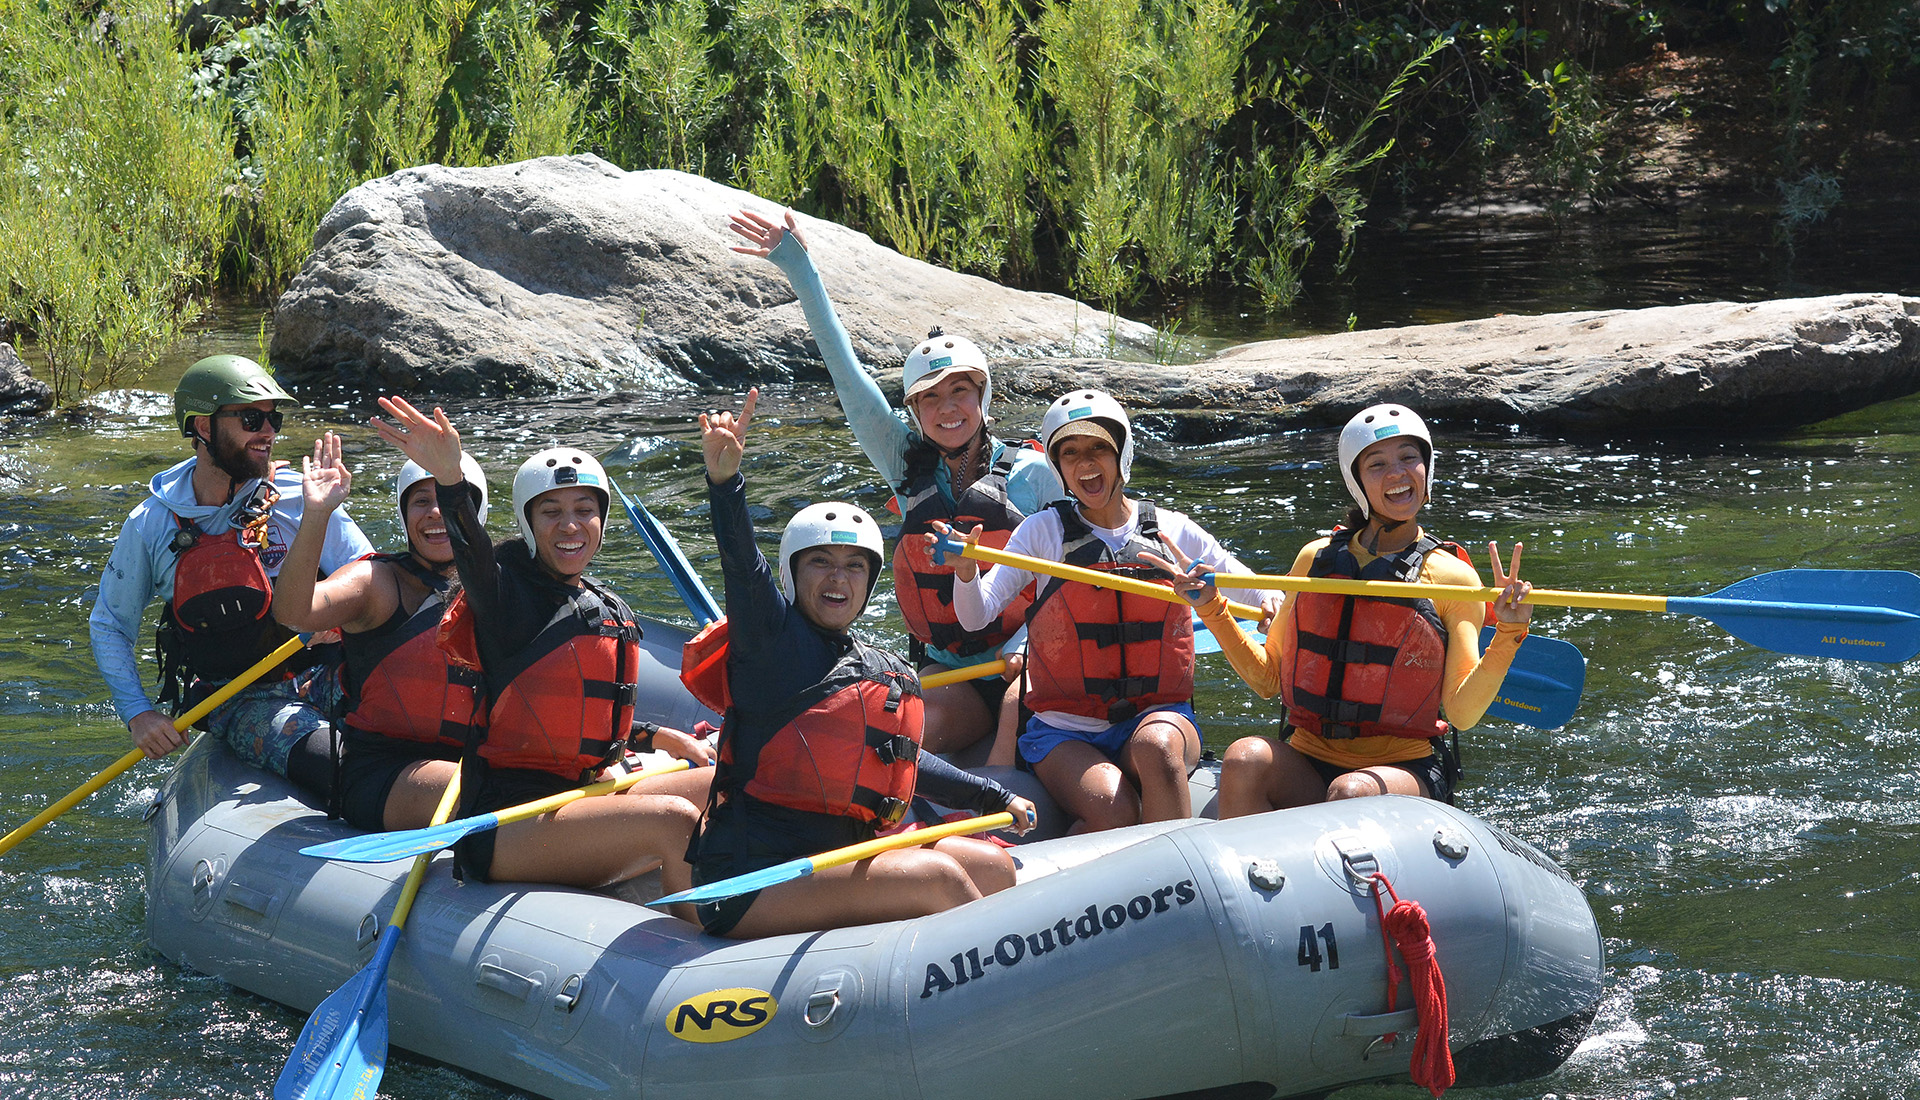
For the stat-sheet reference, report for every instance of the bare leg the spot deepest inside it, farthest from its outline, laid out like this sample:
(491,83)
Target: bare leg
(987,864)
(597,841)
(1089,786)
(416,794)
(1372,781)
(897,885)
(1157,758)
(956,716)
(1262,774)
(692,785)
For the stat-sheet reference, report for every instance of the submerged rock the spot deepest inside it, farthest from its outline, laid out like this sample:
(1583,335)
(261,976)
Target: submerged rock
(566,273)
(21,394)
(1722,365)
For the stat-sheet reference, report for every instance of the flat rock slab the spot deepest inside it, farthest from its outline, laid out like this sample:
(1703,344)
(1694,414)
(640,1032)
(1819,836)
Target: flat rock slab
(569,274)
(1720,365)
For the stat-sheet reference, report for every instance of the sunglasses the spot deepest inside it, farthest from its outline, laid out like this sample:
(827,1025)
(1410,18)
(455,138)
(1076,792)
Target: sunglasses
(251,419)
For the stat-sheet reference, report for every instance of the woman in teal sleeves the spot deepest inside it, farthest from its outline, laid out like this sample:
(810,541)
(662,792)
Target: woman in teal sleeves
(946,467)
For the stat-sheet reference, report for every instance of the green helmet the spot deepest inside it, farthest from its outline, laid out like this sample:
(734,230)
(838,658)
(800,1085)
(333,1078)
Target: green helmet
(223,380)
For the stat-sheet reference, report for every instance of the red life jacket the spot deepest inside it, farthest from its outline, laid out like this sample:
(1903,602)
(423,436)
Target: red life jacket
(400,684)
(847,746)
(219,619)
(1360,666)
(703,667)
(1105,654)
(564,703)
(925,590)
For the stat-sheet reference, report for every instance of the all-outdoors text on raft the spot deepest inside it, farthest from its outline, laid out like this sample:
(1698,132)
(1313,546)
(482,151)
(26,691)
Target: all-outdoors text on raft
(1011,949)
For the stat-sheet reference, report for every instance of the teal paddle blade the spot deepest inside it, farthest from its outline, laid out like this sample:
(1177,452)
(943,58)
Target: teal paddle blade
(1204,642)
(673,561)
(1543,687)
(342,1051)
(404,844)
(742,884)
(1853,614)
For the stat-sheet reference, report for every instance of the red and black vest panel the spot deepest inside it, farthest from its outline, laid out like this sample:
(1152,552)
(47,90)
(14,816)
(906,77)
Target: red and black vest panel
(848,746)
(1100,653)
(925,590)
(564,703)
(400,684)
(219,620)
(1360,666)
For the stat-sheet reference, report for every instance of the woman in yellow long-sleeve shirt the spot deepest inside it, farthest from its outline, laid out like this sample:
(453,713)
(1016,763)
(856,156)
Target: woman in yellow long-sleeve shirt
(1372,686)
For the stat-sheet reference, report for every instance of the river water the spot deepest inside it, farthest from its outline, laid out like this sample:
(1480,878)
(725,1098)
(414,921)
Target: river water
(1746,826)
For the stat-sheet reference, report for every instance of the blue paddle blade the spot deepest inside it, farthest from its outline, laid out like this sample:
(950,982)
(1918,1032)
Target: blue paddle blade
(388,847)
(343,1049)
(1543,686)
(742,884)
(1204,642)
(673,561)
(1853,614)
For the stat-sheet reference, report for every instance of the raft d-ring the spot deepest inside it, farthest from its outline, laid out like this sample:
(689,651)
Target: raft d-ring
(1381,1045)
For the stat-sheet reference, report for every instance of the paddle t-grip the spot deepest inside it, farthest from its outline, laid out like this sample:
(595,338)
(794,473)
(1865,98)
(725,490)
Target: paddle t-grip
(944,545)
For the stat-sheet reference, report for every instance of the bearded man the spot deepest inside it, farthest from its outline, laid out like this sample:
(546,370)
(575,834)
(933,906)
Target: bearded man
(208,543)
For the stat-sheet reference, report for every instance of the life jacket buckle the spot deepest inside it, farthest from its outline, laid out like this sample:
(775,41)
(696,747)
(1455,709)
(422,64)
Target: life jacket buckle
(892,811)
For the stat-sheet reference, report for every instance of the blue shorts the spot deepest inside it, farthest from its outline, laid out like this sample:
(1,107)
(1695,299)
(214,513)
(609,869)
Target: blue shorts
(263,722)
(1041,738)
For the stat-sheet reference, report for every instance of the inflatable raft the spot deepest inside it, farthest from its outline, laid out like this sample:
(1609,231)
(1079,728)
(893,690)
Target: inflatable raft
(1192,958)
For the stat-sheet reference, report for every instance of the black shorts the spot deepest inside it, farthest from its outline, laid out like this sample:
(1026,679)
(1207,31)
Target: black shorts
(1436,771)
(369,767)
(717,918)
(499,789)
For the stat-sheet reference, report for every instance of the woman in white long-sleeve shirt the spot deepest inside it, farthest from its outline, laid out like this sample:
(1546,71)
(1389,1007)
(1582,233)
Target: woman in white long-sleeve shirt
(1110,674)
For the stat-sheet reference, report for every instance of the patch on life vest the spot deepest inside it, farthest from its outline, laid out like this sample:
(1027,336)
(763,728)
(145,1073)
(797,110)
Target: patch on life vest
(1384,432)
(722,1015)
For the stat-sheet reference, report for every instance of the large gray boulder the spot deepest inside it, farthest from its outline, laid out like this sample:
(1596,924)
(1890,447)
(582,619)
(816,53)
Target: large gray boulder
(21,394)
(566,273)
(1720,364)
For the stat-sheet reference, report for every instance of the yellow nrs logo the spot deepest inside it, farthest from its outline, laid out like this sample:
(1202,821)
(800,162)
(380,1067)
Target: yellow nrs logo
(722,1015)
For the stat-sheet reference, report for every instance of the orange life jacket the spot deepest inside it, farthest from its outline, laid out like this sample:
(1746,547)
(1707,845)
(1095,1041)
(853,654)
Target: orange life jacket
(400,684)
(1100,653)
(564,703)
(847,746)
(219,620)
(925,590)
(703,667)
(1360,666)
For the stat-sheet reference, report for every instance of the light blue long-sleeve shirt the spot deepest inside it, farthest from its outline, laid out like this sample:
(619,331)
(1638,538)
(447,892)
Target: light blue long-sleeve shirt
(140,569)
(881,432)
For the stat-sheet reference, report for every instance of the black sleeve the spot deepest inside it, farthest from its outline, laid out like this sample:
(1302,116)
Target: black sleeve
(506,612)
(755,607)
(963,790)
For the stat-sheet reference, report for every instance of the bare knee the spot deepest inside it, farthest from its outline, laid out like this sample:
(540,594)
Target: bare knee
(1249,752)
(1355,785)
(932,881)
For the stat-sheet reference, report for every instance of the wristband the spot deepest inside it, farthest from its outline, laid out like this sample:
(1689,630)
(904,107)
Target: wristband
(643,744)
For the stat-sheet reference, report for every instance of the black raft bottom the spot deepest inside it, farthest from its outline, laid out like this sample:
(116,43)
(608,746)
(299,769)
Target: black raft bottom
(1501,1060)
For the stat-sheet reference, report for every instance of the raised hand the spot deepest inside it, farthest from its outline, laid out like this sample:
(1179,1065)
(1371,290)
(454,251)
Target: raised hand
(1189,576)
(762,235)
(1508,608)
(430,441)
(723,439)
(325,481)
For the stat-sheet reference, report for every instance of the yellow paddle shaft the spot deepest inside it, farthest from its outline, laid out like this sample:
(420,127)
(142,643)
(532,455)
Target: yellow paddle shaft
(1105,580)
(606,786)
(1544,597)
(971,672)
(449,798)
(182,724)
(854,853)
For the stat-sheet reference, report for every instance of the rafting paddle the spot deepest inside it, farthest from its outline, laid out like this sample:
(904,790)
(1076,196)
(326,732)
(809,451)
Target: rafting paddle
(387,847)
(671,558)
(1853,614)
(852,853)
(182,724)
(342,1051)
(1542,687)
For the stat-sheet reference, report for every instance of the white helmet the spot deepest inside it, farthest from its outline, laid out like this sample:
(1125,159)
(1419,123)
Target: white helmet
(412,474)
(1097,406)
(938,356)
(832,523)
(1370,426)
(556,468)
